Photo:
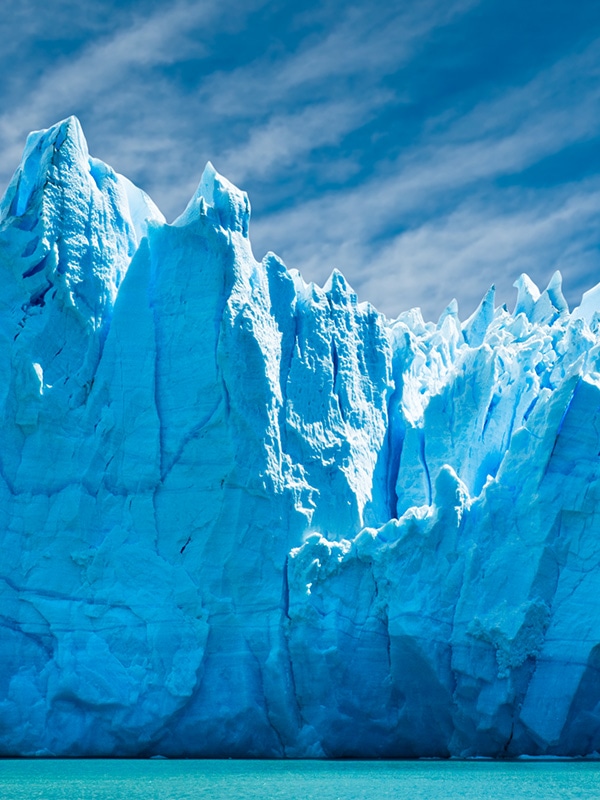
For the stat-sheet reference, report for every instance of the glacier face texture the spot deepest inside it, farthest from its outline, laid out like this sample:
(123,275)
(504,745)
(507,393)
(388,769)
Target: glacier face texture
(242,515)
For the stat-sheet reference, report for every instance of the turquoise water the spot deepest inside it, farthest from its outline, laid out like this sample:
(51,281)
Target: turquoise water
(296,780)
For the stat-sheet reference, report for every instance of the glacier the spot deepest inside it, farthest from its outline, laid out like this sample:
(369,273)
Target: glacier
(246,516)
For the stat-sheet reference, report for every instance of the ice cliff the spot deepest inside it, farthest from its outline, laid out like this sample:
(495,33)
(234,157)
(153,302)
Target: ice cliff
(242,515)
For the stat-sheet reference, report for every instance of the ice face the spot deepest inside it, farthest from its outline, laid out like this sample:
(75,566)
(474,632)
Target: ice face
(244,515)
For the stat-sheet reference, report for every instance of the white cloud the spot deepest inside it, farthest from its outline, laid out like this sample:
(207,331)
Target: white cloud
(476,245)
(114,83)
(416,229)
(436,222)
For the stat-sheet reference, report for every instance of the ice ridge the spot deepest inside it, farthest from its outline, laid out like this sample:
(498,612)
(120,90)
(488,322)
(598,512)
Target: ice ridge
(244,515)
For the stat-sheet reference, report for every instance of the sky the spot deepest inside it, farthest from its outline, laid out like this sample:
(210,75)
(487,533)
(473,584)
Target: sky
(428,148)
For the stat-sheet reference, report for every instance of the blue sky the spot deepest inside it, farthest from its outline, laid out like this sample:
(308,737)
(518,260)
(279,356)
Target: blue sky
(426,148)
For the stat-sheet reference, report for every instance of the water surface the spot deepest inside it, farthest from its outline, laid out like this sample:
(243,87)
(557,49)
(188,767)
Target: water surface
(296,780)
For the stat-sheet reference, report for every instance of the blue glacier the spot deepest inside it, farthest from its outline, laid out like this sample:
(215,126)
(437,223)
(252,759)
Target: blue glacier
(243,515)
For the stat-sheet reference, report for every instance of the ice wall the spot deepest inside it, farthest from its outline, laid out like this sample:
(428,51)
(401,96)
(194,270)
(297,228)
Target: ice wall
(242,515)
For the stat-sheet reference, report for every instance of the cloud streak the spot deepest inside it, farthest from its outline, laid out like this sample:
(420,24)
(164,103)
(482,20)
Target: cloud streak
(332,121)
(438,203)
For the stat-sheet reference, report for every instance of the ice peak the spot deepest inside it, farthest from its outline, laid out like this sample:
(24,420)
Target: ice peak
(551,304)
(590,305)
(67,233)
(68,131)
(45,150)
(527,295)
(220,199)
(476,326)
(207,183)
(451,310)
(555,294)
(338,288)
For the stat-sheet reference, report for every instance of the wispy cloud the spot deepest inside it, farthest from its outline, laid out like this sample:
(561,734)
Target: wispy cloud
(285,138)
(299,102)
(436,212)
(117,82)
(256,117)
(479,244)
(323,115)
(367,41)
